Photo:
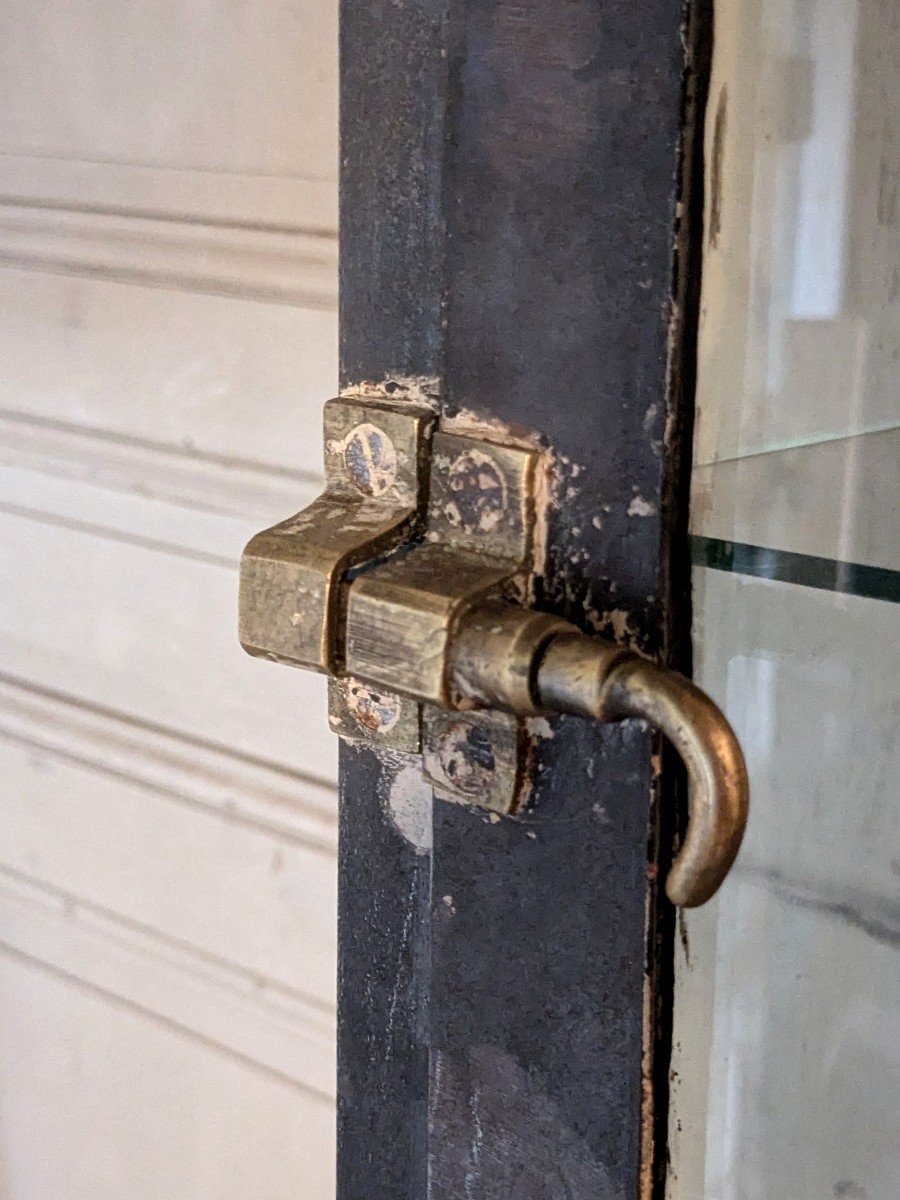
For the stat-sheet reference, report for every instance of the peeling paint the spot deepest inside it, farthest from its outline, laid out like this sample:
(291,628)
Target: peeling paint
(468,423)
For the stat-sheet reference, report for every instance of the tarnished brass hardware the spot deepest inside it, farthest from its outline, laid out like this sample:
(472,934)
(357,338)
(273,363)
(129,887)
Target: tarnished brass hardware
(407,581)
(400,615)
(293,575)
(500,653)
(479,758)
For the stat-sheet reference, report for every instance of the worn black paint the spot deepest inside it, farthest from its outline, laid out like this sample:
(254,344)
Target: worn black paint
(508,216)
(383,980)
(391,288)
(392,143)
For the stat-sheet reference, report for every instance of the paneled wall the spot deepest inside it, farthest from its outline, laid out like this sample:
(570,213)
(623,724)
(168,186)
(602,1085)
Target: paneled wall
(168,333)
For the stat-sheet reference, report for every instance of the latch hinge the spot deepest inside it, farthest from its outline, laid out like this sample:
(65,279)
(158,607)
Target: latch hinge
(408,582)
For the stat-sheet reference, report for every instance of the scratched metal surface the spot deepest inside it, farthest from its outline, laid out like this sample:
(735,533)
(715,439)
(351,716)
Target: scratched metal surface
(509,185)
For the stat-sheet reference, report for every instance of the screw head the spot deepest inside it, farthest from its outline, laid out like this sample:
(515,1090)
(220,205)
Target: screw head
(477,492)
(370,459)
(467,757)
(375,711)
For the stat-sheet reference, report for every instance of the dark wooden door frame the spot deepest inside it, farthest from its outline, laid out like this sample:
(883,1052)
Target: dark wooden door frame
(512,178)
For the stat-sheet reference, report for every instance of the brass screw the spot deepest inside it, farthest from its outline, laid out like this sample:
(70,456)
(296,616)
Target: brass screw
(466,756)
(370,459)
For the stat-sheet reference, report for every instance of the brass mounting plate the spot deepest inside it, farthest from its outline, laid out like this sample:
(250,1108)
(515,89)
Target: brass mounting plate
(401,614)
(293,575)
(415,526)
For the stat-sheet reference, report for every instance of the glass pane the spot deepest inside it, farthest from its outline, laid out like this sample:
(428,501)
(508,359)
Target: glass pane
(787,1042)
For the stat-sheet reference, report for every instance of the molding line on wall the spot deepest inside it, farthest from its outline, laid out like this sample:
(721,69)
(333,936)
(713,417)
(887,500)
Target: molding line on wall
(284,266)
(184,476)
(214,196)
(167,497)
(194,994)
(233,786)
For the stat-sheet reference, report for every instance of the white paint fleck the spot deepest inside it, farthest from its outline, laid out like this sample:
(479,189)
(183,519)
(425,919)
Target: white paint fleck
(639,507)
(620,621)
(597,522)
(398,972)
(475,1147)
(409,805)
(540,727)
(600,813)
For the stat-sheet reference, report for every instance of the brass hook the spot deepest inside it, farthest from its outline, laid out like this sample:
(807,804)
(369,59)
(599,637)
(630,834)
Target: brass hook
(527,661)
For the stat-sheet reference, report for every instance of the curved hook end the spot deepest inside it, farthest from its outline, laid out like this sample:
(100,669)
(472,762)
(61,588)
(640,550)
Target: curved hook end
(717,772)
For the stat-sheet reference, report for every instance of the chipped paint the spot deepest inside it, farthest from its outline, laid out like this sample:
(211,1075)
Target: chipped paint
(651,416)
(414,389)
(467,423)
(467,757)
(540,727)
(545,491)
(615,620)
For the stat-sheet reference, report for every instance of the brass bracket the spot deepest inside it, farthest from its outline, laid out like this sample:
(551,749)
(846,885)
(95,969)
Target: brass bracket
(365,585)
(401,616)
(294,576)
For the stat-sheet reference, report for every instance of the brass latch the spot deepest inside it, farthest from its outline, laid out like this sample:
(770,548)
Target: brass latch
(408,582)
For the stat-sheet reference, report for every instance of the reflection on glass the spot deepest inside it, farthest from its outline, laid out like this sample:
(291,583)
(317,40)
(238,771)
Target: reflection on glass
(787,1060)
